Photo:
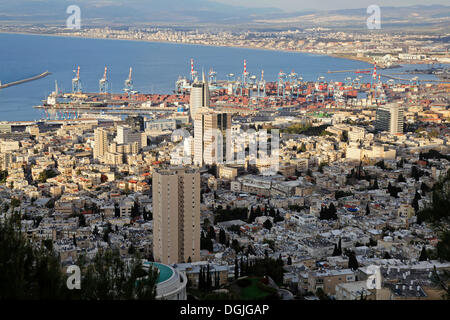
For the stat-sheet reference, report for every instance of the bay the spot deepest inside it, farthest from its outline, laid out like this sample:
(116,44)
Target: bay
(156,66)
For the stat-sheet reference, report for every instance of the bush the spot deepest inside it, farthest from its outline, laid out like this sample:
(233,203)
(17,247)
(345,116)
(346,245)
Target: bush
(243,283)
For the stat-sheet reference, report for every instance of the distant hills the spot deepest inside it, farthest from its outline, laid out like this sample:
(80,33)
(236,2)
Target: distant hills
(209,13)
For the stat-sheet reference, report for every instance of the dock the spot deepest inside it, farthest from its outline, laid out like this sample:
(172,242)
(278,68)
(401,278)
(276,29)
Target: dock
(350,71)
(15,83)
(421,80)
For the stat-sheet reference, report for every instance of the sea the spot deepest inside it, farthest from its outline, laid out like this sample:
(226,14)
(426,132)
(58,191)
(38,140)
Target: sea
(156,67)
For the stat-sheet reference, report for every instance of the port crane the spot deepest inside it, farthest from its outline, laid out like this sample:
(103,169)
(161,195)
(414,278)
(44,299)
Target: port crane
(293,79)
(212,76)
(281,87)
(76,82)
(262,86)
(245,74)
(103,83)
(194,74)
(129,87)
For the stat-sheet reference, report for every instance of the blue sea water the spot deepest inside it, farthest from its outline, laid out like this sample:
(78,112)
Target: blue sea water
(156,66)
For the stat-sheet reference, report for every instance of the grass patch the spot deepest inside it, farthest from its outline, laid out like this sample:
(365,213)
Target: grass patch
(256,290)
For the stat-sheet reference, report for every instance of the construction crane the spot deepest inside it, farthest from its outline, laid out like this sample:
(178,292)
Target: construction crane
(103,83)
(76,82)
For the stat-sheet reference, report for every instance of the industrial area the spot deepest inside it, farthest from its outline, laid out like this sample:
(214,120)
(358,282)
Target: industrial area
(244,93)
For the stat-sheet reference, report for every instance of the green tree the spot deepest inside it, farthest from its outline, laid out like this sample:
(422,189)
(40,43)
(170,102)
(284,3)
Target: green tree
(423,254)
(352,261)
(235,246)
(443,246)
(109,277)
(222,237)
(267,224)
(28,271)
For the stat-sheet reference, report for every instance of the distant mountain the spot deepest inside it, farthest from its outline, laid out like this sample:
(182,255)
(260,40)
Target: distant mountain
(132,11)
(430,16)
(210,13)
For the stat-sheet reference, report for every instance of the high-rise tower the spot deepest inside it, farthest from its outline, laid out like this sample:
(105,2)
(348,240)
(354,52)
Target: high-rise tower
(176,215)
(199,96)
(390,118)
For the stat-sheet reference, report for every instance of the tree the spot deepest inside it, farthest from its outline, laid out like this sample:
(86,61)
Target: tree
(208,279)
(415,202)
(110,278)
(116,210)
(344,137)
(328,213)
(280,261)
(424,188)
(131,249)
(443,281)
(423,254)
(415,173)
(375,185)
(321,294)
(3,176)
(335,251)
(440,202)
(352,261)
(267,224)
(367,209)
(401,178)
(206,243)
(135,210)
(95,232)
(289,261)
(28,271)
(387,255)
(211,233)
(235,246)
(222,237)
(236,269)
(443,246)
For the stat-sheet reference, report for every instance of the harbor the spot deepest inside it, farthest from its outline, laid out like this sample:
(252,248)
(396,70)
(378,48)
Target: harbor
(242,93)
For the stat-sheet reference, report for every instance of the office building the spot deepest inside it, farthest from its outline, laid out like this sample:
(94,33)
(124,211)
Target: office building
(210,138)
(199,96)
(176,215)
(128,136)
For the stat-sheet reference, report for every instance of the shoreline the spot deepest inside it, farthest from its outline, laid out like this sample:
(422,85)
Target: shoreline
(354,58)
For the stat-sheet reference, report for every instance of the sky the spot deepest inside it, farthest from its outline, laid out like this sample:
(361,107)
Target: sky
(300,5)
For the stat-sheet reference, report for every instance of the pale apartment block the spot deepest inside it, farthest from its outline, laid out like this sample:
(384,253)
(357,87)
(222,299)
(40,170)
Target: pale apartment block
(176,214)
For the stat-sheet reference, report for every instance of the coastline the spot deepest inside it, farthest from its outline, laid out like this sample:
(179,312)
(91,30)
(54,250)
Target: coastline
(347,57)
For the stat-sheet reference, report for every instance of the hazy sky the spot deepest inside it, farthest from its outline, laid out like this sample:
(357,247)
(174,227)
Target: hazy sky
(297,5)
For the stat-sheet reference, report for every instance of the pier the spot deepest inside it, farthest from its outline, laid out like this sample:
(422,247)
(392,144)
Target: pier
(350,71)
(421,80)
(15,83)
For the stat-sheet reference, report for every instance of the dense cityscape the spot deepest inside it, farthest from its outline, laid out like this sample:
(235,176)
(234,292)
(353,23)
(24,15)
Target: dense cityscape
(236,189)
